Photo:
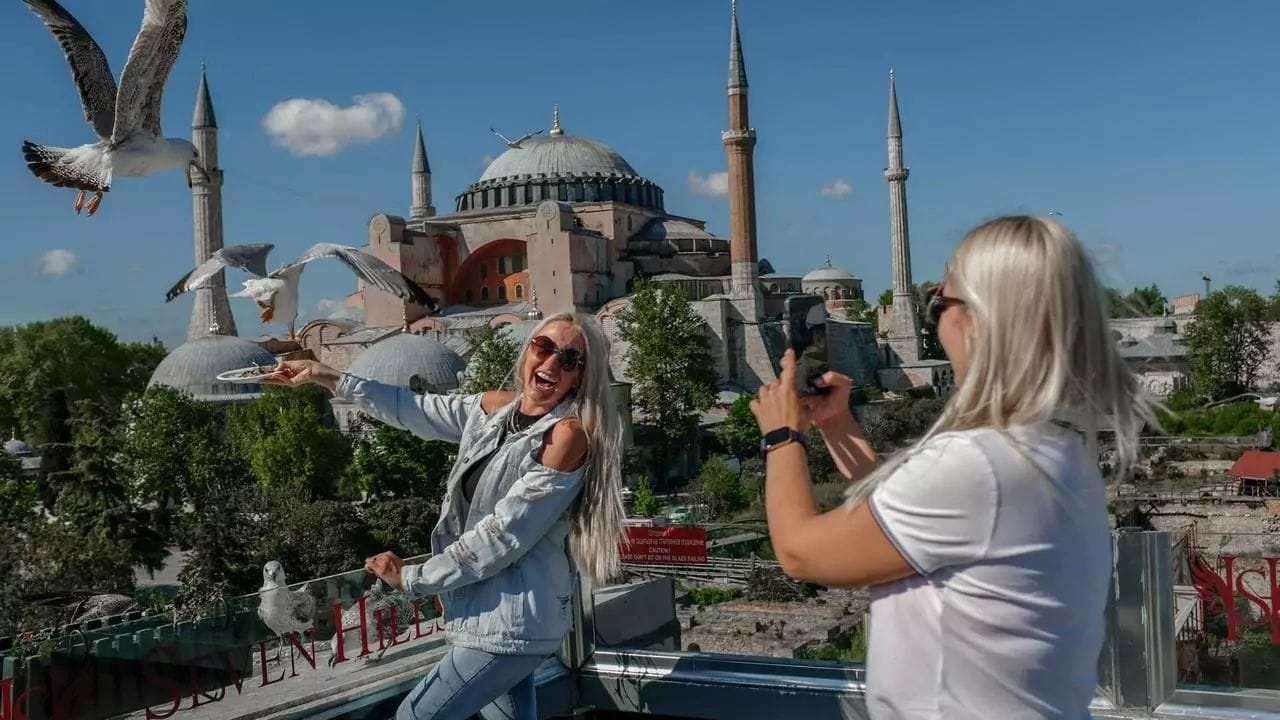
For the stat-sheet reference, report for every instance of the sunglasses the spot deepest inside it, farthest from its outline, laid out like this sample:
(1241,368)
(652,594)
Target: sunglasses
(569,358)
(938,304)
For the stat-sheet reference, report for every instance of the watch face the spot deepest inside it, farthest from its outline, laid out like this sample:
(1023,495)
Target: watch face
(773,437)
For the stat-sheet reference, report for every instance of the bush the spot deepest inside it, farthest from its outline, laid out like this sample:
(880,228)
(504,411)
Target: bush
(315,539)
(719,488)
(645,500)
(402,526)
(772,585)
(703,596)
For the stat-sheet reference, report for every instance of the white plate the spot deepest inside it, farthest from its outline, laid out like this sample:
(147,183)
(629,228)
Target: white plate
(255,374)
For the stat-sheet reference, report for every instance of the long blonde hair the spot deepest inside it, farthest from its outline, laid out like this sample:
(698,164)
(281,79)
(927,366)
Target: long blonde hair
(1039,345)
(597,515)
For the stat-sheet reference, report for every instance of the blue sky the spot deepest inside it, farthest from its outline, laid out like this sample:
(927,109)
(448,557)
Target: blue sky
(1153,126)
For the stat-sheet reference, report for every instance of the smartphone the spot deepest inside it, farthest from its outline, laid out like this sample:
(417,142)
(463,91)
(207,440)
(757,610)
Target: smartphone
(807,335)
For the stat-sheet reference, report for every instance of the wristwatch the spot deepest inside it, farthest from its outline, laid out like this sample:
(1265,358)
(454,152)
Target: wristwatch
(781,436)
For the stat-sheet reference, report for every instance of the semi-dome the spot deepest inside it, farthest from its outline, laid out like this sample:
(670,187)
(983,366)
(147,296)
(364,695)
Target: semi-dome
(18,448)
(562,167)
(193,368)
(408,360)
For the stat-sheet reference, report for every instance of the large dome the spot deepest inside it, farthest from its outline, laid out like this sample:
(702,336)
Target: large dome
(558,155)
(561,167)
(828,273)
(408,360)
(193,368)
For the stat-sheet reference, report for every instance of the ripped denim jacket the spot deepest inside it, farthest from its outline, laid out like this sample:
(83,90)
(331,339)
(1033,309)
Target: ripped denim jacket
(502,566)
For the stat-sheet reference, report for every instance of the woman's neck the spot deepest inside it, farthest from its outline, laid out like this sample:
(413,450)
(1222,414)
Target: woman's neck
(529,407)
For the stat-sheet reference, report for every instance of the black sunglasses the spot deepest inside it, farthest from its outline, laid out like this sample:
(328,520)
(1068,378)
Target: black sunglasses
(938,304)
(569,358)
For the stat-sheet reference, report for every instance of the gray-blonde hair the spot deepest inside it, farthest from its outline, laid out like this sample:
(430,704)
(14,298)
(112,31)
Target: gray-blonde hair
(1039,346)
(597,514)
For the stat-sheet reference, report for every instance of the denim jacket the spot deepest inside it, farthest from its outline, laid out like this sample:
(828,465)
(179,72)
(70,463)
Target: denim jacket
(502,566)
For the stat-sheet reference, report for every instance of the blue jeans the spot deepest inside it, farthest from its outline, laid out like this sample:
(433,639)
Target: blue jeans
(466,682)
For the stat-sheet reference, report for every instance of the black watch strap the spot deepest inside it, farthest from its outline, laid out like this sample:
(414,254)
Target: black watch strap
(774,438)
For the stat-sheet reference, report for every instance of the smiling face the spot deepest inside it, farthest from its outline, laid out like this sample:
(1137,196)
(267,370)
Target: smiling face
(553,366)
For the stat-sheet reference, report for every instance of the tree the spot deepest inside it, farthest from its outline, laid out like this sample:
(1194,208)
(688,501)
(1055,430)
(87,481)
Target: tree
(493,354)
(94,497)
(1228,340)
(740,433)
(672,372)
(388,463)
(861,311)
(403,526)
(1141,302)
(645,500)
(1273,306)
(170,438)
(719,488)
(886,298)
(900,422)
(18,493)
(283,437)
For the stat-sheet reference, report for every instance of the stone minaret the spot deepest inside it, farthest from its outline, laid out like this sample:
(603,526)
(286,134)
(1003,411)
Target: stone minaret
(904,323)
(211,313)
(422,207)
(739,144)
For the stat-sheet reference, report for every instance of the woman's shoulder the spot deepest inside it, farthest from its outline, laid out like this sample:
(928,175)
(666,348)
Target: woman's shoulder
(565,445)
(495,399)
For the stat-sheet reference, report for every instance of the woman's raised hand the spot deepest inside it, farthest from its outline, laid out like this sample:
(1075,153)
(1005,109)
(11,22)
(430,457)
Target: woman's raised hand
(293,373)
(831,407)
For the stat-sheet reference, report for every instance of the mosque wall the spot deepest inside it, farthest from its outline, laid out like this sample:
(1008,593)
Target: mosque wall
(853,350)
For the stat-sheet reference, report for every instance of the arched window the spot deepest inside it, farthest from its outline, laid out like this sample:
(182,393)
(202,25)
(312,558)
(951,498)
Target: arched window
(773,287)
(502,292)
(417,384)
(519,292)
(484,294)
(484,270)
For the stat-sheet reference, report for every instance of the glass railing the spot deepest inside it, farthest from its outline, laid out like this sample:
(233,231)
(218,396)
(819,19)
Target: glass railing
(342,635)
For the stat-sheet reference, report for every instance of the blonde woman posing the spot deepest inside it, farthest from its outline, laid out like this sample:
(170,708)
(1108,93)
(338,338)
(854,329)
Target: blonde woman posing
(533,499)
(986,545)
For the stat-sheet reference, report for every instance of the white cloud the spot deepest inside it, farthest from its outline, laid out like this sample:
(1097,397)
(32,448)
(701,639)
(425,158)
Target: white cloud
(338,310)
(837,189)
(58,262)
(714,185)
(318,127)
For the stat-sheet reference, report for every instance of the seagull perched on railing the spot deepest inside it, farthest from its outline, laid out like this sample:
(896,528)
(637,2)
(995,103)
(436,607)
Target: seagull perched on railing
(378,599)
(126,119)
(283,610)
(277,292)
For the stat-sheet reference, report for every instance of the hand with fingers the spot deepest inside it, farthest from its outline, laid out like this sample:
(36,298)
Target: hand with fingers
(778,405)
(293,373)
(387,566)
(832,407)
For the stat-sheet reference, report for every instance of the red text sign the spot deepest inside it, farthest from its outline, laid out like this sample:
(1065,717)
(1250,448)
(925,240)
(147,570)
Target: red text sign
(1219,593)
(665,545)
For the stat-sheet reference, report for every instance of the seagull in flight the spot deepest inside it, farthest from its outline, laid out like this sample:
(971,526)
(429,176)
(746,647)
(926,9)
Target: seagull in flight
(277,292)
(515,143)
(126,119)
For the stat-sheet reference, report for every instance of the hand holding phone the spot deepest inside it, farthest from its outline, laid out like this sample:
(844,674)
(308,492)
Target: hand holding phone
(807,336)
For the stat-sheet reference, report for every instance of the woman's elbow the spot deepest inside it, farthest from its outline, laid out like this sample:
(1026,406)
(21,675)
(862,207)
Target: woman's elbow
(793,561)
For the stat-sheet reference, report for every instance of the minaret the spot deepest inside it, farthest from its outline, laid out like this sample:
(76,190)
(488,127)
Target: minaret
(739,144)
(211,314)
(904,323)
(422,207)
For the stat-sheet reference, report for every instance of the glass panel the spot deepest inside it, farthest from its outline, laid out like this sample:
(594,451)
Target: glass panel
(226,661)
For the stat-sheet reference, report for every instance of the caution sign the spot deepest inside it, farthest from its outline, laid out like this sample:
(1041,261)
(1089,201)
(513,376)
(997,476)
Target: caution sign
(665,545)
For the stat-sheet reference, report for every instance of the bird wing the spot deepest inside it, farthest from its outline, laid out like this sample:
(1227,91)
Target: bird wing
(304,606)
(250,258)
(504,137)
(367,268)
(89,67)
(155,50)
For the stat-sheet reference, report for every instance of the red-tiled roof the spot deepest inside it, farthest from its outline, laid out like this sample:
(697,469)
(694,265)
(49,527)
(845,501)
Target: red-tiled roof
(1256,465)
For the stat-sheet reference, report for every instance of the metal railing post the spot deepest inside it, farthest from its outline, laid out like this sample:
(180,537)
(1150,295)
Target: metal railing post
(1138,665)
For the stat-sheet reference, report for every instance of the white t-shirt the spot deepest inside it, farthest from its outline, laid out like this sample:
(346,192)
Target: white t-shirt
(1005,618)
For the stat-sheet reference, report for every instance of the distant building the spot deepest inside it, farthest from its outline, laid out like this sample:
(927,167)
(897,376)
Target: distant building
(1257,472)
(25,454)
(1159,358)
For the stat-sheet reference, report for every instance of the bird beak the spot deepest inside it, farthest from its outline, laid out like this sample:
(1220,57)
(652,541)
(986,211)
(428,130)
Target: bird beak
(194,164)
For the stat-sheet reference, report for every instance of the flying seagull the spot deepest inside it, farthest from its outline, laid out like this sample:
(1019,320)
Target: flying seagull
(126,119)
(379,602)
(515,143)
(283,610)
(277,292)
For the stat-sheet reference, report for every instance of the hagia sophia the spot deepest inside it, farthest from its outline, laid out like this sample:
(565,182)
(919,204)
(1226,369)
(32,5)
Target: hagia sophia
(560,222)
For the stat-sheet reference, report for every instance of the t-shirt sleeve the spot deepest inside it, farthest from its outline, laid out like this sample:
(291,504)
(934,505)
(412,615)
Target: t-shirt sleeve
(939,507)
